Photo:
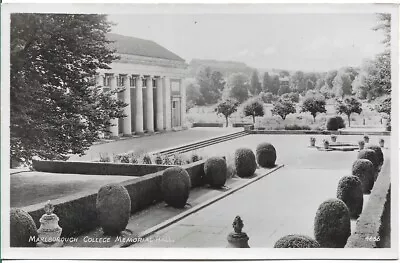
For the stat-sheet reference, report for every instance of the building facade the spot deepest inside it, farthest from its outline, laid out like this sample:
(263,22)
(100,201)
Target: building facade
(152,78)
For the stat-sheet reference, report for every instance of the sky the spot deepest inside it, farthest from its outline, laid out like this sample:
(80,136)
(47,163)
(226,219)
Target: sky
(307,42)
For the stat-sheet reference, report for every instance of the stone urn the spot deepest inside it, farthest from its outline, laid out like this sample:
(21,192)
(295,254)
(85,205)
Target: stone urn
(361,145)
(333,138)
(366,138)
(326,144)
(49,232)
(237,238)
(382,143)
(312,141)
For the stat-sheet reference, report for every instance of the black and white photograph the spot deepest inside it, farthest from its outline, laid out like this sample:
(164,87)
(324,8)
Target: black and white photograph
(201,128)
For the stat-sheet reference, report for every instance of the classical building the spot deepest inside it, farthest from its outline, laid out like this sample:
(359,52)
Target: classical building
(153,80)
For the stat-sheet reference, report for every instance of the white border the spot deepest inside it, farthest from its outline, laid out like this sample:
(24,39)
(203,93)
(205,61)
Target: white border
(186,253)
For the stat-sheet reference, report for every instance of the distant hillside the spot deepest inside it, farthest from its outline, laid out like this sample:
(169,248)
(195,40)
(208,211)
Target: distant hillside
(225,67)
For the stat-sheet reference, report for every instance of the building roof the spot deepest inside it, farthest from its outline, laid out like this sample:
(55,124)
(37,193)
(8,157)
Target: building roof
(140,47)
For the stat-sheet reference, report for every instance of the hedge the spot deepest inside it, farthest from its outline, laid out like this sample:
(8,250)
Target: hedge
(78,214)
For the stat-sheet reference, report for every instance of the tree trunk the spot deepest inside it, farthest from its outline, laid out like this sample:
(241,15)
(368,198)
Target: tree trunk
(226,118)
(348,117)
(314,118)
(254,119)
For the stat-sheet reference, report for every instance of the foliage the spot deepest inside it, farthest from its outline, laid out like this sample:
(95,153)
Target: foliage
(378,151)
(348,106)
(334,123)
(175,186)
(113,205)
(253,107)
(350,192)
(158,159)
(215,171)
(342,84)
(226,108)
(266,155)
(314,104)
(178,159)
(22,229)
(238,85)
(267,97)
(146,159)
(332,224)
(365,171)
(211,84)
(195,157)
(283,90)
(283,107)
(295,127)
(193,94)
(370,155)
(245,162)
(55,108)
(296,241)
(292,96)
(255,85)
(104,158)
(167,160)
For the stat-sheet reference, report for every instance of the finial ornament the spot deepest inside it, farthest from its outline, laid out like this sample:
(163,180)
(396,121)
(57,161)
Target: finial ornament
(237,225)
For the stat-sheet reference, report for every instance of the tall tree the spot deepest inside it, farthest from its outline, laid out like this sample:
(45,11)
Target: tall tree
(348,106)
(329,77)
(56,108)
(253,107)
(342,84)
(193,94)
(314,104)
(255,85)
(283,107)
(226,108)
(275,85)
(238,85)
(211,84)
(267,82)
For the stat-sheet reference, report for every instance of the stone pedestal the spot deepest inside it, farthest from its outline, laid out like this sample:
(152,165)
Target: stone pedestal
(238,240)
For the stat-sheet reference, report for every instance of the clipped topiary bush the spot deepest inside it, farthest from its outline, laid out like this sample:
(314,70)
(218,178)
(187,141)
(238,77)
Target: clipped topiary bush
(266,155)
(22,228)
(350,192)
(113,207)
(378,152)
(332,224)
(175,186)
(245,162)
(215,171)
(369,155)
(364,169)
(332,124)
(296,241)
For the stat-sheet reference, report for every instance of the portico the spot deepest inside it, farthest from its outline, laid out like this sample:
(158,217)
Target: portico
(152,87)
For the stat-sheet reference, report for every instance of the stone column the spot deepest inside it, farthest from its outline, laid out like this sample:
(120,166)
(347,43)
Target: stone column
(149,105)
(114,122)
(99,85)
(167,104)
(139,106)
(127,129)
(182,88)
(160,112)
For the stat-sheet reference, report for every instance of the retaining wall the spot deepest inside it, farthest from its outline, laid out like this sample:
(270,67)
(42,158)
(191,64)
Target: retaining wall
(97,168)
(77,212)
(374,221)
(383,133)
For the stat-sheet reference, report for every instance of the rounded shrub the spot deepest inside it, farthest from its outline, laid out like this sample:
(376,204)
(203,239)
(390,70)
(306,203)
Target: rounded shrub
(266,155)
(175,186)
(22,228)
(296,241)
(341,123)
(332,124)
(113,207)
(369,155)
(365,171)
(378,152)
(215,171)
(245,162)
(332,224)
(350,192)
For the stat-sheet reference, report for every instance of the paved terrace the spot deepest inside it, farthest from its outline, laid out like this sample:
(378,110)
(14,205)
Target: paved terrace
(284,202)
